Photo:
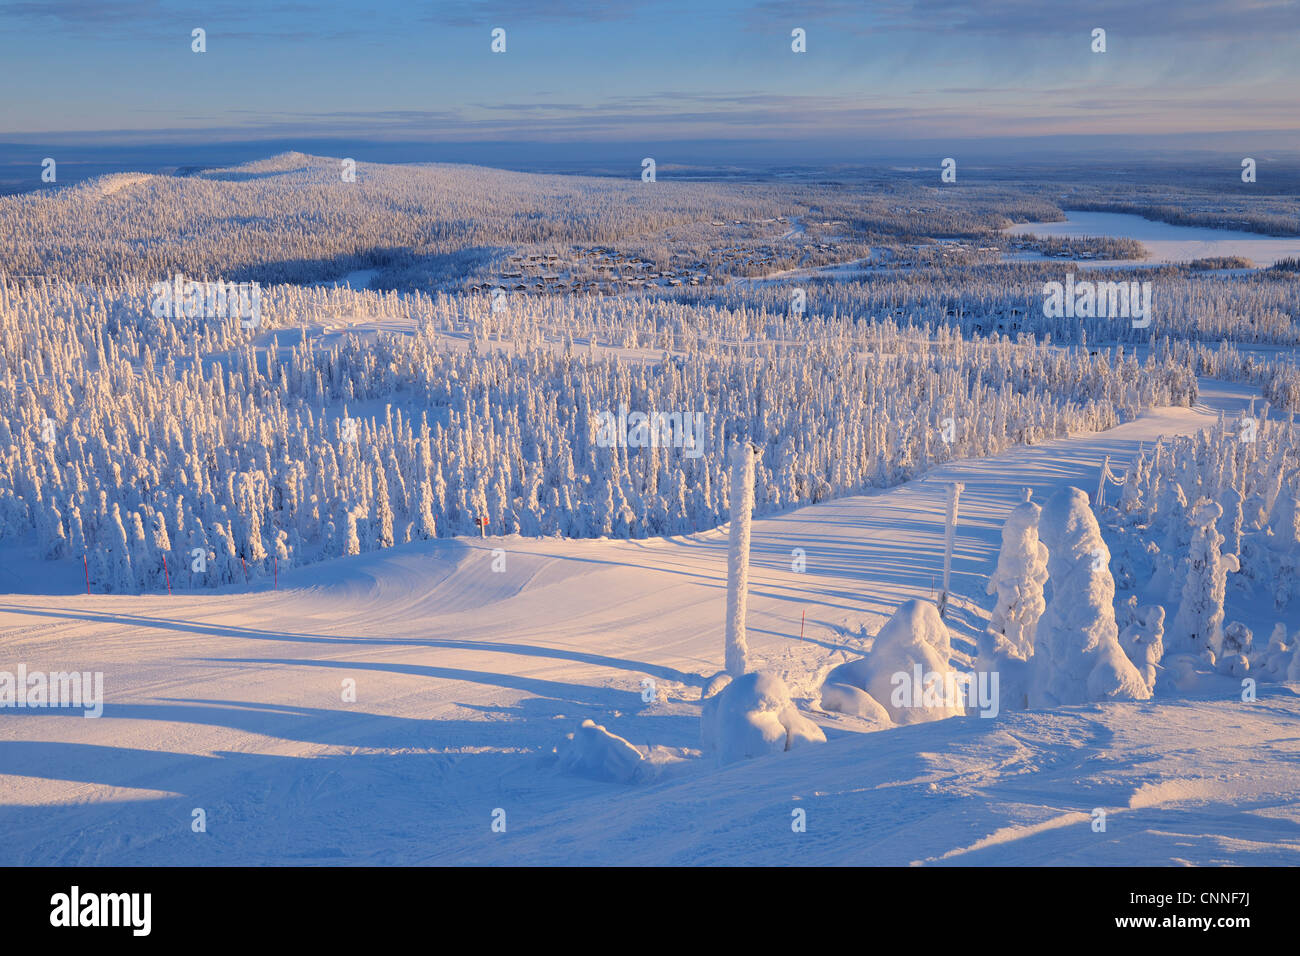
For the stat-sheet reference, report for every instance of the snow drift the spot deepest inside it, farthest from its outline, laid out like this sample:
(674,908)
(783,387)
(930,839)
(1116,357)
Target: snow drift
(594,752)
(882,682)
(753,716)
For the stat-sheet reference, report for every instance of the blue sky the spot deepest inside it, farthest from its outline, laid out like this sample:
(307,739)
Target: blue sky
(606,72)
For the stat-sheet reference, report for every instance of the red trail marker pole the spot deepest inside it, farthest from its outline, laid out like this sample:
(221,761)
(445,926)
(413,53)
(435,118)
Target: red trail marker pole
(245,564)
(86,567)
(275,581)
(167,575)
(803,618)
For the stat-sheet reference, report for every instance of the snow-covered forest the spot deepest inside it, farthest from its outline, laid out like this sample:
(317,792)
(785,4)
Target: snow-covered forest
(1209,525)
(1262,307)
(132,439)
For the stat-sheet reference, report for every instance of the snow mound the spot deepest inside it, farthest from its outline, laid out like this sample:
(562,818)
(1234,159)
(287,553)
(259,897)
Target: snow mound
(594,752)
(915,640)
(716,684)
(1274,660)
(1233,656)
(1180,674)
(753,716)
(844,698)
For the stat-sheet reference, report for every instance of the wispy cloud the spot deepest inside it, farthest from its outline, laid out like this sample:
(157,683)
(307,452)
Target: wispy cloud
(1149,19)
(80,12)
(618,69)
(503,13)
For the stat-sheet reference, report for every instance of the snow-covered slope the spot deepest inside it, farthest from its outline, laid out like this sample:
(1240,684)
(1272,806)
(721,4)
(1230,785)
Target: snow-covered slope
(467,677)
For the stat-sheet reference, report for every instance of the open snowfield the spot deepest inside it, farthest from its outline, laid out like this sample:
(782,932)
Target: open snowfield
(466,678)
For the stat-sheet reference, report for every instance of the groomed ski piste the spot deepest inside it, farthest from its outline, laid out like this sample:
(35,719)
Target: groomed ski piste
(230,736)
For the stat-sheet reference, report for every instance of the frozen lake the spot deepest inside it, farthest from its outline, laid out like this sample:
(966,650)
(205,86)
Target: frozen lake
(1165,242)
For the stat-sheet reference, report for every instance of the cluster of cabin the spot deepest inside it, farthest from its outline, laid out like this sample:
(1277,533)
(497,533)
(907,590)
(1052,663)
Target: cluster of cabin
(594,270)
(605,270)
(779,220)
(998,321)
(742,258)
(962,250)
(1054,251)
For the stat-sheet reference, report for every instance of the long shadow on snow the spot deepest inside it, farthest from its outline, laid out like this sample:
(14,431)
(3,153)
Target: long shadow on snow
(576,693)
(248,633)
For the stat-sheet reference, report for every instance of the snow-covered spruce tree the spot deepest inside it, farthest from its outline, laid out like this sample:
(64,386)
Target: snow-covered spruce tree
(1255,508)
(56,542)
(1077,657)
(1019,578)
(383,509)
(1284,523)
(428,524)
(1233,657)
(121,578)
(1173,512)
(1130,498)
(142,559)
(1005,647)
(1142,640)
(1230,521)
(742,510)
(351,543)
(1198,625)
(1271,663)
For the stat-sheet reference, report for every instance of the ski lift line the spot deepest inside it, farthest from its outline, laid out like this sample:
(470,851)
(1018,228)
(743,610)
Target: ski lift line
(1107,475)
